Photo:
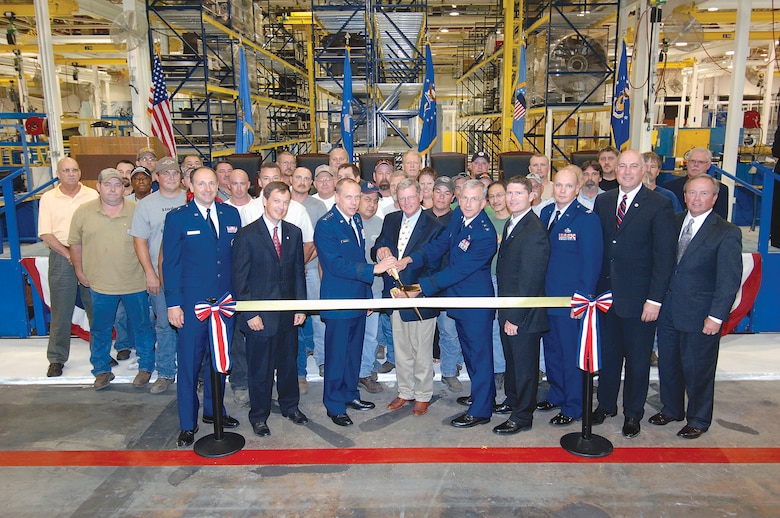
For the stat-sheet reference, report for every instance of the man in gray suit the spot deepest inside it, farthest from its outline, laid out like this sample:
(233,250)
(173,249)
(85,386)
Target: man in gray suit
(701,292)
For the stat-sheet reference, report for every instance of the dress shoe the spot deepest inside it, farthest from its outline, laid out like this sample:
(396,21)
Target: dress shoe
(186,437)
(661,419)
(297,417)
(386,367)
(142,378)
(453,383)
(370,385)
(261,429)
(420,408)
(227,421)
(465,400)
(690,432)
(630,427)
(509,427)
(55,370)
(561,420)
(341,419)
(397,403)
(359,404)
(103,380)
(599,416)
(123,355)
(467,421)
(545,405)
(502,408)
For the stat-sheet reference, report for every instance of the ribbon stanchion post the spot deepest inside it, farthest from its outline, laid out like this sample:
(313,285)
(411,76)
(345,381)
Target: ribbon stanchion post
(586,444)
(220,443)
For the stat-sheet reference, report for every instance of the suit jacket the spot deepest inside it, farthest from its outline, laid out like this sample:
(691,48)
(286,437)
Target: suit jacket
(576,249)
(707,278)
(259,274)
(426,230)
(196,265)
(520,270)
(639,257)
(677,186)
(467,273)
(345,272)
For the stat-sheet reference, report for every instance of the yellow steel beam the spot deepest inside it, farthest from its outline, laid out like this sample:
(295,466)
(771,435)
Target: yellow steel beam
(476,66)
(729,35)
(730,17)
(281,144)
(479,117)
(83,62)
(56,8)
(66,48)
(538,24)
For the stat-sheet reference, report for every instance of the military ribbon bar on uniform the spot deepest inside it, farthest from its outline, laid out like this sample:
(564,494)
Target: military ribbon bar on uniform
(589,353)
(219,332)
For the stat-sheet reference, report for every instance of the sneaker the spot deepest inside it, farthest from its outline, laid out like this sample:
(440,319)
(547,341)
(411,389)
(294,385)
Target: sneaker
(387,367)
(654,359)
(241,396)
(303,385)
(370,385)
(103,380)
(123,355)
(453,383)
(380,352)
(499,379)
(161,385)
(142,378)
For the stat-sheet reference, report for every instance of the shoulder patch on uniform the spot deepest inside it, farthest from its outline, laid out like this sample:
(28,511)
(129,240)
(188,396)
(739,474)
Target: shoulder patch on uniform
(327,216)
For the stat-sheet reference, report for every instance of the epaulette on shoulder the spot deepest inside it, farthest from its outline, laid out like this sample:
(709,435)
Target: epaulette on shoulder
(328,216)
(178,209)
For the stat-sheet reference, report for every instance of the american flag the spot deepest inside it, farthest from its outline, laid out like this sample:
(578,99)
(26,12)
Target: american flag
(160,108)
(519,106)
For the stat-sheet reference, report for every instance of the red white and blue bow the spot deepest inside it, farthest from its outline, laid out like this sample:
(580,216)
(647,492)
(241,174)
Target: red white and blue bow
(589,353)
(219,332)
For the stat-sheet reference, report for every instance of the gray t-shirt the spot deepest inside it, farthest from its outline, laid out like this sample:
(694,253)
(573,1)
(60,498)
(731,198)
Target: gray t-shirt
(372,228)
(315,209)
(149,219)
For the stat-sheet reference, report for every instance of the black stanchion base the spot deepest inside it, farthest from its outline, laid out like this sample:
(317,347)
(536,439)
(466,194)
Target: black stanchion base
(210,447)
(596,446)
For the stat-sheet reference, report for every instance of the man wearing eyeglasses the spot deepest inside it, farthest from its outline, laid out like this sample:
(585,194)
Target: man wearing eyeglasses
(147,158)
(699,162)
(325,183)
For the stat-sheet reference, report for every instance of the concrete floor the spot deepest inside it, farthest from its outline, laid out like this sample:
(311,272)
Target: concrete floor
(87,436)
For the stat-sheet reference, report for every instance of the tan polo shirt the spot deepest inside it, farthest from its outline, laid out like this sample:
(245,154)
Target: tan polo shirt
(55,210)
(108,256)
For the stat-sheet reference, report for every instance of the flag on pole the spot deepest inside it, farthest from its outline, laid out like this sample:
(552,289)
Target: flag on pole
(621,103)
(428,105)
(160,108)
(245,136)
(520,104)
(347,122)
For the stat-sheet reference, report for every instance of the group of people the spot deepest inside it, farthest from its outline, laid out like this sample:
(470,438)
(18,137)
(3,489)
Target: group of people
(158,236)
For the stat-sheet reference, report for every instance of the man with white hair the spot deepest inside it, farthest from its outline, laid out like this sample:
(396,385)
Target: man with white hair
(699,162)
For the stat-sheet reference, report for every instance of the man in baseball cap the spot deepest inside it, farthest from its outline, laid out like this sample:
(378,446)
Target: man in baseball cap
(480,163)
(325,183)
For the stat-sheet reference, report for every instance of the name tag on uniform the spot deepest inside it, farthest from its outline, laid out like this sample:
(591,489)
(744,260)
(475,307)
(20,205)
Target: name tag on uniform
(193,232)
(232,229)
(464,244)
(345,241)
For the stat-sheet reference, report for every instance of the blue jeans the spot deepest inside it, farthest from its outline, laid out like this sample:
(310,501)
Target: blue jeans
(305,344)
(451,353)
(369,345)
(317,325)
(104,312)
(124,336)
(165,351)
(385,336)
(499,363)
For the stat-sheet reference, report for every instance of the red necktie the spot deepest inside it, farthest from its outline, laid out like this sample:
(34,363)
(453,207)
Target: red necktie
(621,213)
(277,244)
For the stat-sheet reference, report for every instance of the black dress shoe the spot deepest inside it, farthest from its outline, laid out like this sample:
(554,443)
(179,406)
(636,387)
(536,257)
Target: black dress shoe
(690,432)
(502,408)
(561,420)
(186,437)
(297,417)
(227,421)
(465,400)
(341,419)
(630,427)
(661,419)
(359,404)
(55,370)
(509,427)
(545,405)
(599,416)
(467,421)
(261,429)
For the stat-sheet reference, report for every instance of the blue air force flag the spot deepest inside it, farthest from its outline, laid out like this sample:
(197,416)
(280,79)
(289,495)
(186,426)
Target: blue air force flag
(621,103)
(428,105)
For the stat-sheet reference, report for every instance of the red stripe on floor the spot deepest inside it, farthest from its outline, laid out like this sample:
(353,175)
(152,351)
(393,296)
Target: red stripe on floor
(485,455)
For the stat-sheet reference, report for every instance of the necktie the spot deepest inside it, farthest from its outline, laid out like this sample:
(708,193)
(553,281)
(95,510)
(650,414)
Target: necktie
(277,244)
(685,239)
(462,222)
(211,223)
(403,238)
(510,226)
(554,221)
(621,213)
(354,229)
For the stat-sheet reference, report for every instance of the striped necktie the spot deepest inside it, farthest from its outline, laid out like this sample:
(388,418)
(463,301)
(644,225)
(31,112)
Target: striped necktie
(621,212)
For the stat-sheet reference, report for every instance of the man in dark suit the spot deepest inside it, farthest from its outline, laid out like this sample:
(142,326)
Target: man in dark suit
(404,232)
(268,264)
(638,262)
(520,270)
(701,293)
(576,248)
(471,241)
(340,243)
(196,265)
(699,162)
